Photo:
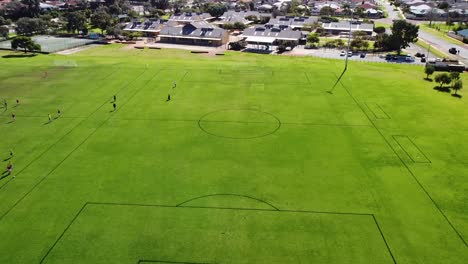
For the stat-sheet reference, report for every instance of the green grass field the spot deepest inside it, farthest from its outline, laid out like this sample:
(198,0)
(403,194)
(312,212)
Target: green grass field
(252,161)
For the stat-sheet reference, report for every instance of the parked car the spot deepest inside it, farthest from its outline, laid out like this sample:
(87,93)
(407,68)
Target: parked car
(409,58)
(363,55)
(423,59)
(419,55)
(350,53)
(453,50)
(342,53)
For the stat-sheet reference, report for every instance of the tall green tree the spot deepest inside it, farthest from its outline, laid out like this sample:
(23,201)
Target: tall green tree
(30,26)
(75,21)
(457,86)
(403,33)
(4,32)
(25,43)
(32,7)
(313,38)
(429,70)
(215,10)
(455,76)
(101,19)
(443,78)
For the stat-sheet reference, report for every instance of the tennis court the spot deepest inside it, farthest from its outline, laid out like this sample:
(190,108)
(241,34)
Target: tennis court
(53,44)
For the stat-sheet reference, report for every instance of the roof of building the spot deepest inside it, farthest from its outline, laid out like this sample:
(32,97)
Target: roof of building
(344,25)
(190,17)
(267,34)
(146,26)
(294,22)
(463,33)
(194,30)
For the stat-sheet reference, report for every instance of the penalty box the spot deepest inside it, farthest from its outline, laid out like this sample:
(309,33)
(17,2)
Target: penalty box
(127,233)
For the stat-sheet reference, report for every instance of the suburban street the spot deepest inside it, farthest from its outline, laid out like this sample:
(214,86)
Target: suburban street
(434,41)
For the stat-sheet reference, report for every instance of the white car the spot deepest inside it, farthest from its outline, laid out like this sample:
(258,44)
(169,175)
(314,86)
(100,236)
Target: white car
(350,53)
(342,53)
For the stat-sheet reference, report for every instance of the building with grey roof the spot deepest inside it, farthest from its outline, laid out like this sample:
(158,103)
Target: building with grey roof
(188,17)
(150,27)
(232,16)
(291,21)
(337,28)
(270,36)
(195,33)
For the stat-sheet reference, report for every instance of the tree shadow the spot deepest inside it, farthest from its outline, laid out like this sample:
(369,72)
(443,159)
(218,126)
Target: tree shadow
(428,79)
(442,89)
(457,96)
(11,56)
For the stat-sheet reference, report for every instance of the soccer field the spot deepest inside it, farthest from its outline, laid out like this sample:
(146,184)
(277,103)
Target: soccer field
(251,161)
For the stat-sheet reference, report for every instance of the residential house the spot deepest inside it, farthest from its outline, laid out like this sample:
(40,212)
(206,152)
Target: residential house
(188,17)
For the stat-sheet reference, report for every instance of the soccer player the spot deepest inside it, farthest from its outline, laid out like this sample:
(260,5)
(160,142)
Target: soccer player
(17,101)
(59,113)
(175,85)
(115,106)
(11,153)
(9,168)
(5,104)
(168,97)
(13,116)
(50,118)
(115,98)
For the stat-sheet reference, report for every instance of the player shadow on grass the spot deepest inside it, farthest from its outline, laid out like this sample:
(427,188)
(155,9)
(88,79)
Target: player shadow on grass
(442,89)
(11,56)
(459,96)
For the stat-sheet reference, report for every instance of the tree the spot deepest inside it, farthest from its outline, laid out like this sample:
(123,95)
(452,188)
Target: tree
(32,7)
(313,38)
(429,70)
(442,78)
(216,10)
(454,76)
(25,43)
(160,4)
(457,86)
(75,21)
(327,11)
(101,19)
(114,31)
(30,26)
(379,30)
(403,33)
(4,32)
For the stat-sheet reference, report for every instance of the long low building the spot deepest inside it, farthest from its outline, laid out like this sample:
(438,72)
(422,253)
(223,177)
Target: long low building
(195,33)
(270,36)
(293,22)
(337,28)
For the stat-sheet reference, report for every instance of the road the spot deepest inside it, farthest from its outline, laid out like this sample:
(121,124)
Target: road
(434,41)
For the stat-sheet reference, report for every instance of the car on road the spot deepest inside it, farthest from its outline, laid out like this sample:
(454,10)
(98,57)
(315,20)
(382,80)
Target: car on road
(363,55)
(350,53)
(423,59)
(342,53)
(453,50)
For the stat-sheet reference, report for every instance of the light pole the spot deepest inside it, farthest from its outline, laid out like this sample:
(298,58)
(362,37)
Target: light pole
(347,54)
